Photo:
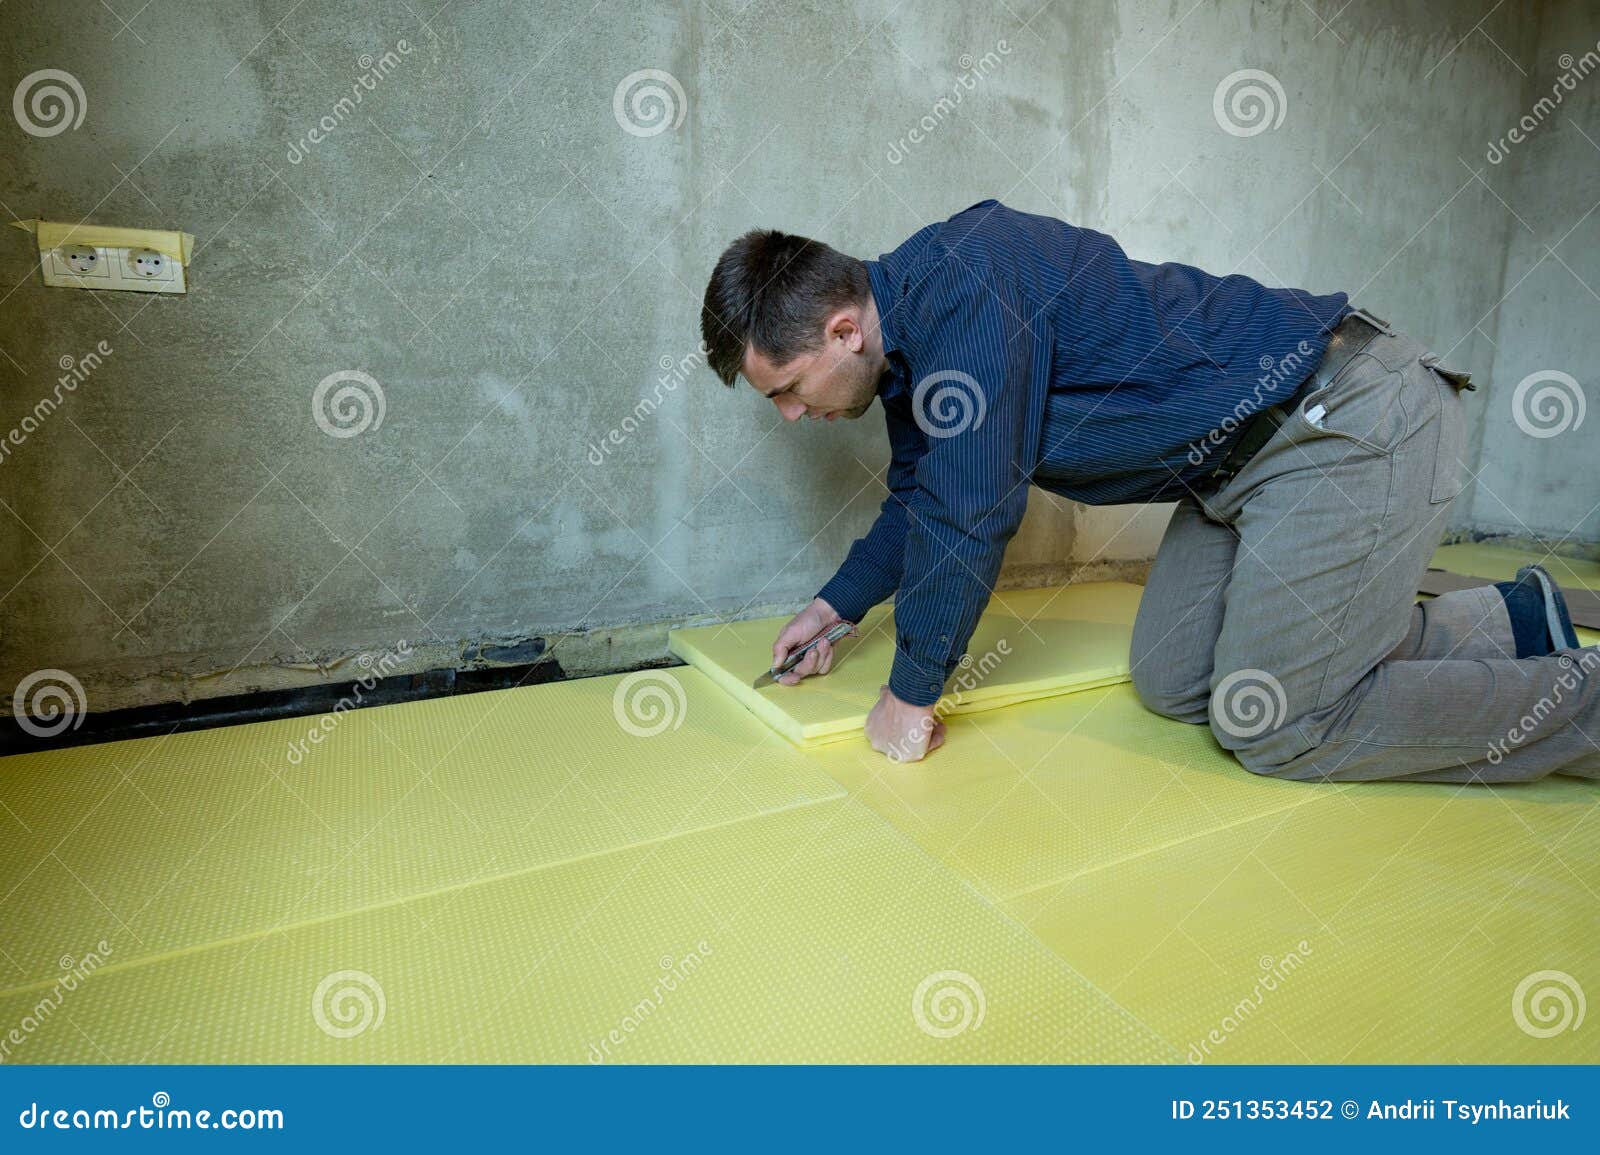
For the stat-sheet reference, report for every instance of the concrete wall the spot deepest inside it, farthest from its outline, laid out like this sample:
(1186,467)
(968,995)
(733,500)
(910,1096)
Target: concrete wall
(484,238)
(1538,477)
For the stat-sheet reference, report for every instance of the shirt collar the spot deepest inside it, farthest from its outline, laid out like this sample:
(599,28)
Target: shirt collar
(883,297)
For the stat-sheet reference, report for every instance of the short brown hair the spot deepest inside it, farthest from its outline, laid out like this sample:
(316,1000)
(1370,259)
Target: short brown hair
(773,291)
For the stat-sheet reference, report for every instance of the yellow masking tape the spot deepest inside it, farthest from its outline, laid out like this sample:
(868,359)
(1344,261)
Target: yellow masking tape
(54,234)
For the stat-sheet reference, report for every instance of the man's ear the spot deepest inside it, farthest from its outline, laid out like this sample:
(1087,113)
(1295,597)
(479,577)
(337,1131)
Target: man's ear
(845,326)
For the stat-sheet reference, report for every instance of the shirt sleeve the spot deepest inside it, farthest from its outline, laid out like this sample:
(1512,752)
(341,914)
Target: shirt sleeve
(871,571)
(981,364)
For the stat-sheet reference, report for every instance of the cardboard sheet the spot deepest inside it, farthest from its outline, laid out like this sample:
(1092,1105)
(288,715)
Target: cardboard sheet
(1496,564)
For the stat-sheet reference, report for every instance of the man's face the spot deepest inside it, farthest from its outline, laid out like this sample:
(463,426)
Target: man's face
(836,380)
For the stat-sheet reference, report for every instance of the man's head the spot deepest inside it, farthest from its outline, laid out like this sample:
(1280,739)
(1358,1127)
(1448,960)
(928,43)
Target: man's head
(797,319)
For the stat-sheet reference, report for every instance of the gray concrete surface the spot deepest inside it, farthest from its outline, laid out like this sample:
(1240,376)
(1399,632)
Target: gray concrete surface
(518,272)
(1538,476)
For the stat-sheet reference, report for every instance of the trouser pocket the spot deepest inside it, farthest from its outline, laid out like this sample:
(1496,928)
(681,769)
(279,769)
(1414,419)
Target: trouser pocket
(1361,405)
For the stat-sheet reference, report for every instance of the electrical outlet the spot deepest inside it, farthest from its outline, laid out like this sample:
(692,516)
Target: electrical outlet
(85,260)
(147,264)
(91,267)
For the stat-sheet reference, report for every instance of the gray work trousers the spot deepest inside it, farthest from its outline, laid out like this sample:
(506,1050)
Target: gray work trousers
(1282,609)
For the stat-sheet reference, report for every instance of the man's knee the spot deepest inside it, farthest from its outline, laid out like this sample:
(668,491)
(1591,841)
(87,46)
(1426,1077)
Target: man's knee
(1250,716)
(1252,758)
(1162,695)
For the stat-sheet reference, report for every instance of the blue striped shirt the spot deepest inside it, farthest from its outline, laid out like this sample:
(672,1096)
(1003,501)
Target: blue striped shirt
(1023,350)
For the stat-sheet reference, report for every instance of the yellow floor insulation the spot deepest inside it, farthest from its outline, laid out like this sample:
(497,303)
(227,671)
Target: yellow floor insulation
(1029,644)
(641,869)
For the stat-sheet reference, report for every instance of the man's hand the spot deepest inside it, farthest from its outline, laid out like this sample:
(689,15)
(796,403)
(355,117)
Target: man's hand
(804,626)
(904,732)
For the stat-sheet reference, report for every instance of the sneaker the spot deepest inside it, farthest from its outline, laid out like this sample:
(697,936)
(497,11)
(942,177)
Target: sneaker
(1538,611)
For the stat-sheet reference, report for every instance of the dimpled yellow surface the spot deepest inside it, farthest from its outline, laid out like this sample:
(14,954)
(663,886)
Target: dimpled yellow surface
(1377,924)
(636,869)
(204,836)
(817,934)
(1029,644)
(1499,564)
(1042,791)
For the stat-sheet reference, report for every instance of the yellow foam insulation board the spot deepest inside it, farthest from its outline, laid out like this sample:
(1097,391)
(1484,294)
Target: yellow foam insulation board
(1499,564)
(814,935)
(1381,923)
(1043,791)
(1029,644)
(212,834)
(535,874)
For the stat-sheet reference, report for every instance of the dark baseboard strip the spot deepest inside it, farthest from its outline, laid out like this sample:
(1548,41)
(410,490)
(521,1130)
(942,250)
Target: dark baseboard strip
(266,705)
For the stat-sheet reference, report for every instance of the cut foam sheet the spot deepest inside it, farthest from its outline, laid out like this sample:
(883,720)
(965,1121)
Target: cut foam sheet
(1029,644)
(815,935)
(1393,923)
(160,844)
(1040,792)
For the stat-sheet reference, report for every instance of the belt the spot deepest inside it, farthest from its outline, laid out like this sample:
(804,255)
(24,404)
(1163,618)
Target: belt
(1349,337)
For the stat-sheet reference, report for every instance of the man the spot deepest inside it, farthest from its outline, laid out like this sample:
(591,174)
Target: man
(1313,452)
